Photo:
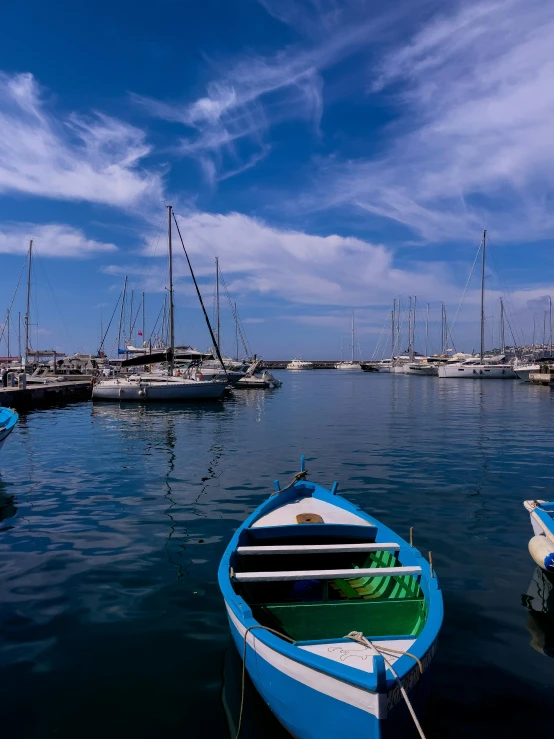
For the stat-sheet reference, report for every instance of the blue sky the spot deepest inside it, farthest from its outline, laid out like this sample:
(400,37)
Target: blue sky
(334,155)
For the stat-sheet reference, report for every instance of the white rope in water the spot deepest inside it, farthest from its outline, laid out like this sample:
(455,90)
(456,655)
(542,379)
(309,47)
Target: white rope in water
(357,636)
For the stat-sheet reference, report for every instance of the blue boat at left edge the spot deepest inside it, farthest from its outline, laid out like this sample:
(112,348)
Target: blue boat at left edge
(332,612)
(8,419)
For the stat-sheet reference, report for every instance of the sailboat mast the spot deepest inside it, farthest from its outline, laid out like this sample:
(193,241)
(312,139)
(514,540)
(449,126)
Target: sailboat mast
(131,318)
(398,327)
(218,323)
(483,296)
(143,321)
(393,317)
(427,331)
(121,315)
(502,339)
(550,307)
(237,332)
(352,337)
(413,324)
(8,327)
(410,319)
(28,301)
(19,333)
(171,307)
(443,331)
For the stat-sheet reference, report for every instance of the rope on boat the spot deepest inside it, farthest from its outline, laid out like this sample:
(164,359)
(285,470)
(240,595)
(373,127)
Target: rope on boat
(357,636)
(256,626)
(299,476)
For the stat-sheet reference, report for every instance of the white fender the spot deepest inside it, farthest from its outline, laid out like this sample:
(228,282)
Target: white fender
(542,551)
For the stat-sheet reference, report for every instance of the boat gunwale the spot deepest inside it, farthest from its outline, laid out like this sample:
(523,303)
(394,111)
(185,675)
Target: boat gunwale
(423,643)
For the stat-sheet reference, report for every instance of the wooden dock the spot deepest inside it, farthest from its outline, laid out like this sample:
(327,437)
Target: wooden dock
(41,395)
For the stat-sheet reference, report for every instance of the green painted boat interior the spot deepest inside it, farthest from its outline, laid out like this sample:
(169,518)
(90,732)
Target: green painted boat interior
(306,621)
(330,609)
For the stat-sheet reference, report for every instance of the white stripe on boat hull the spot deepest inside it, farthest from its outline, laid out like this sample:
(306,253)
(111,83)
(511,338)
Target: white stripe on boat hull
(371,703)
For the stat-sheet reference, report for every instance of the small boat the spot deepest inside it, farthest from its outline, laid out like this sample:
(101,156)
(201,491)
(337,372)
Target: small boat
(541,546)
(348,366)
(422,367)
(300,364)
(335,616)
(385,365)
(369,366)
(8,419)
(256,377)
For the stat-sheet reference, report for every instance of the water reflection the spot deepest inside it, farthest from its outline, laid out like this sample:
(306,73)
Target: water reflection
(8,508)
(257,719)
(134,411)
(539,600)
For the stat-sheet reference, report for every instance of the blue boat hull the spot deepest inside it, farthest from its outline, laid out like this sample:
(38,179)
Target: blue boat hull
(8,419)
(307,713)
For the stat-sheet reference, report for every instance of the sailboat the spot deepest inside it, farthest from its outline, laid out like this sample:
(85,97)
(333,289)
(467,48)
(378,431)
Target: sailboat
(352,365)
(146,388)
(384,365)
(477,368)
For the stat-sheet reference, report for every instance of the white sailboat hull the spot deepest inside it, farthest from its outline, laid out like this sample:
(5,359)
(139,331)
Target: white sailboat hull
(348,366)
(421,369)
(477,372)
(157,390)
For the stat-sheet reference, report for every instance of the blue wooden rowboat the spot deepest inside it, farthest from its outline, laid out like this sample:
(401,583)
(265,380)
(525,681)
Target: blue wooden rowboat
(541,546)
(304,577)
(8,419)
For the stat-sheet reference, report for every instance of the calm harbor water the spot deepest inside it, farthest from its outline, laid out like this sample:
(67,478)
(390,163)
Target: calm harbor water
(113,520)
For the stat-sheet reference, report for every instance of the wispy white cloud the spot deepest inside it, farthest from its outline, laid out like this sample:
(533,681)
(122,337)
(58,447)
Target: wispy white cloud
(265,263)
(472,140)
(50,240)
(227,127)
(92,158)
(316,280)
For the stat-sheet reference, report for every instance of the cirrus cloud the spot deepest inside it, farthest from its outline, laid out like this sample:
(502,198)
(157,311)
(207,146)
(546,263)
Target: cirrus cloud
(73,157)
